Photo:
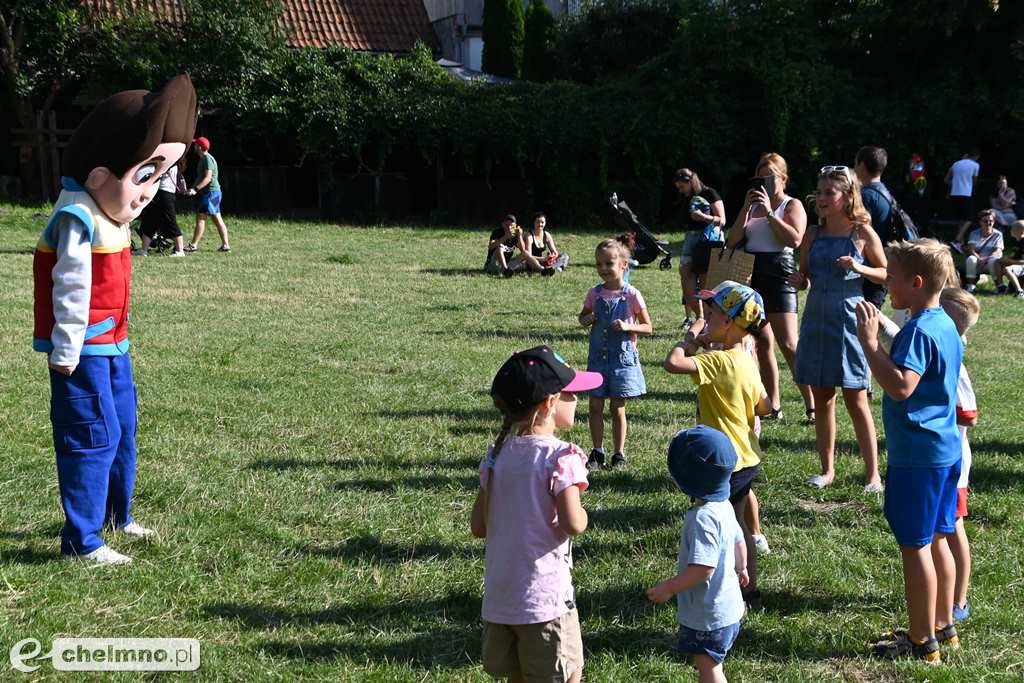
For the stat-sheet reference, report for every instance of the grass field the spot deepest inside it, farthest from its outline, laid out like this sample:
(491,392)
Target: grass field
(313,407)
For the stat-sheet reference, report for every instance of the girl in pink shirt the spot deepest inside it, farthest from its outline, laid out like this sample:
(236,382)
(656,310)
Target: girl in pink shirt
(528,508)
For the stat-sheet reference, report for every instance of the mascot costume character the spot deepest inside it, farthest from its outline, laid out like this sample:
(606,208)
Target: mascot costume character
(82,269)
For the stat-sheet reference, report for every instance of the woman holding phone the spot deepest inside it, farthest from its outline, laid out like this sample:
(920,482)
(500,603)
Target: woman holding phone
(701,216)
(773,224)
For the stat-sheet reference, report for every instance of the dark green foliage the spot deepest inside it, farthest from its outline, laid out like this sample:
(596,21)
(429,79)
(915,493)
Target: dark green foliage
(538,50)
(503,37)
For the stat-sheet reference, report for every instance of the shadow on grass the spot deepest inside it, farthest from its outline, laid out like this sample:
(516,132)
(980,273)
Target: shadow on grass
(469,272)
(368,549)
(1014,449)
(432,462)
(539,335)
(429,481)
(632,518)
(630,482)
(443,647)
(27,556)
(17,250)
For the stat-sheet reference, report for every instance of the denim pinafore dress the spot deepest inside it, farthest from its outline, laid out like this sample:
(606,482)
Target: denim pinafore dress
(612,353)
(828,353)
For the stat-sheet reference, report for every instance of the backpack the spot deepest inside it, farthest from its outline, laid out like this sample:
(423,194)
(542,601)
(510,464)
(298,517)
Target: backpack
(900,223)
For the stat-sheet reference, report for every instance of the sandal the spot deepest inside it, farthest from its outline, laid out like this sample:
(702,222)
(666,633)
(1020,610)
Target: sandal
(191,247)
(809,416)
(899,645)
(818,481)
(776,414)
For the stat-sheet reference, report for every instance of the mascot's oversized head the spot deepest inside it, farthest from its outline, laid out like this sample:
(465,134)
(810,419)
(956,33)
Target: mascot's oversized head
(130,139)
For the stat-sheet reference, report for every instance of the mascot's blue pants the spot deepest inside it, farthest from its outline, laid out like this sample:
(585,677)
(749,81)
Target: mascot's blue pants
(94,420)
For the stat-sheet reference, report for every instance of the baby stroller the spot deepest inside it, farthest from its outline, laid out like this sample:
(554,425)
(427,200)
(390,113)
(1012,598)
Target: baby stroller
(648,247)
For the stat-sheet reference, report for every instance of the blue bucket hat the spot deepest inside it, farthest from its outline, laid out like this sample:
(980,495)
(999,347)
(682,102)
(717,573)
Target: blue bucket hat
(701,460)
(741,304)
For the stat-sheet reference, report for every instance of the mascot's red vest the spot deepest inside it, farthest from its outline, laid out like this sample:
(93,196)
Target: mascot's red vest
(107,333)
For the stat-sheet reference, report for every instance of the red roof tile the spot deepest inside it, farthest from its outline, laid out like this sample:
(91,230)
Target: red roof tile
(367,25)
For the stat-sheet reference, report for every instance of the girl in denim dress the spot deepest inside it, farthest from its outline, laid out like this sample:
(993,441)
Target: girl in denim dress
(829,356)
(616,313)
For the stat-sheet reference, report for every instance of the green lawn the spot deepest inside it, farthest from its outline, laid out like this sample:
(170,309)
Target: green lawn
(313,407)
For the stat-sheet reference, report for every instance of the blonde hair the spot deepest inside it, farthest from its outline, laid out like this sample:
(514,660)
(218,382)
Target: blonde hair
(928,258)
(961,306)
(775,163)
(616,247)
(849,186)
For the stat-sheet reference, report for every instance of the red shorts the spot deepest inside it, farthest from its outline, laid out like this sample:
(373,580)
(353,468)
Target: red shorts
(961,503)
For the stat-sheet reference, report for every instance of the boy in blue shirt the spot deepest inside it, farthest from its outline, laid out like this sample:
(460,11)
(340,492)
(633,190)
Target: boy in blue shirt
(712,552)
(919,376)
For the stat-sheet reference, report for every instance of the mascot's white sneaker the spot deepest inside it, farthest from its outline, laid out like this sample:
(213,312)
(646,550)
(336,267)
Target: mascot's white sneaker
(136,530)
(102,555)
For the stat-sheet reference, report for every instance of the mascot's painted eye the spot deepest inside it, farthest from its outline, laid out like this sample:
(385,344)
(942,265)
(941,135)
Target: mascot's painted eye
(144,173)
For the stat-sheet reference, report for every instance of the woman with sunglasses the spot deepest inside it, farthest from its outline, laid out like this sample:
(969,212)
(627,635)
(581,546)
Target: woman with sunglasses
(701,215)
(834,261)
(772,224)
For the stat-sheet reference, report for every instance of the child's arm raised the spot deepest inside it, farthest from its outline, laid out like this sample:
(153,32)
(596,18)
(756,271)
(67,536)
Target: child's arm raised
(896,381)
(678,360)
(572,517)
(693,575)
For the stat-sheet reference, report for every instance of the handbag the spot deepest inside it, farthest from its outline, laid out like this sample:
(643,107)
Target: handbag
(729,264)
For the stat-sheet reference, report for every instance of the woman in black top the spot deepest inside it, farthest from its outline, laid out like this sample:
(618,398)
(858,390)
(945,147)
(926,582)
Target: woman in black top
(701,214)
(540,240)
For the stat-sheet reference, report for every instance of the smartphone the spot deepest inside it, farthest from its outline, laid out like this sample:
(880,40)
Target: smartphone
(766,183)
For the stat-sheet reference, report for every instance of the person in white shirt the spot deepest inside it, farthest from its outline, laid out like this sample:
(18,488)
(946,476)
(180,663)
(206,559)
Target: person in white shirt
(961,178)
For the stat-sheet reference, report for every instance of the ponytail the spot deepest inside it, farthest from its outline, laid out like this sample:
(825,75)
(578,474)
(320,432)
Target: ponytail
(509,420)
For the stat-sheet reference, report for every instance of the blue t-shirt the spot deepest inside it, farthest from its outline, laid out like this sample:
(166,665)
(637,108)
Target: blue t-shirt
(921,431)
(709,538)
(879,208)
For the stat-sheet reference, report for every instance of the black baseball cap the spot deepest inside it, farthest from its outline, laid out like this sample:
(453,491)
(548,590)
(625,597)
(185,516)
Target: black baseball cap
(509,217)
(529,376)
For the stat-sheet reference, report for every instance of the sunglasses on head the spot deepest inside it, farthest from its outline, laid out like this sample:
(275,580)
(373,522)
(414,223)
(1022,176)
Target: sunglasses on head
(845,170)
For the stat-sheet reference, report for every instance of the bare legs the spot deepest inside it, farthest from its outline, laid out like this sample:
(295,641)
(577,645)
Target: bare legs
(961,551)
(785,330)
(688,281)
(740,509)
(929,576)
(617,408)
(222,229)
(708,670)
(856,401)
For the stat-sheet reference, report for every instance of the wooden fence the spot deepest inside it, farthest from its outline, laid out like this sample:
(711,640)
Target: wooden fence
(47,142)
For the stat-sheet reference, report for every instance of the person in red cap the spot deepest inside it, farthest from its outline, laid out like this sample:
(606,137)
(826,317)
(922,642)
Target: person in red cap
(208,190)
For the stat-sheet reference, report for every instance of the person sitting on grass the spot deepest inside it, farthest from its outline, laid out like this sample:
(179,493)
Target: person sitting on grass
(539,241)
(1012,263)
(919,377)
(730,395)
(984,249)
(712,554)
(528,509)
(208,188)
(501,247)
(964,309)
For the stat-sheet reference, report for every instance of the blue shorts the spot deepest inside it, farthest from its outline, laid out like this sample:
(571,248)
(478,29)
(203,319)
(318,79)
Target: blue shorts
(209,203)
(921,502)
(715,644)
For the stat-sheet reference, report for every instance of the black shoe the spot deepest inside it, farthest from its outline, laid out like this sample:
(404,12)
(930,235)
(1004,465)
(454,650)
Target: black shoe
(596,460)
(776,414)
(1001,289)
(618,461)
(753,600)
(547,272)
(899,645)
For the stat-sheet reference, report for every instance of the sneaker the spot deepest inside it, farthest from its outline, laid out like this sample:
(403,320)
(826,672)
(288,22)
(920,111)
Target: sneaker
(971,289)
(178,254)
(761,543)
(945,636)
(191,247)
(874,488)
(596,459)
(547,272)
(898,645)
(140,252)
(1020,294)
(102,555)
(618,461)
(753,600)
(223,247)
(136,530)
(1001,289)
(687,323)
(961,613)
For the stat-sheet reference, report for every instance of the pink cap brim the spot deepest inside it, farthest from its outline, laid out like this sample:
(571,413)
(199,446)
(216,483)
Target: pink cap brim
(705,294)
(584,381)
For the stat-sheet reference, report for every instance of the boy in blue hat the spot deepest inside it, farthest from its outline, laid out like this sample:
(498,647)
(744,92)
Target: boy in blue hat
(712,552)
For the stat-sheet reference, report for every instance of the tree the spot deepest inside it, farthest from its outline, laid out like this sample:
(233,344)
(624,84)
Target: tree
(538,57)
(503,37)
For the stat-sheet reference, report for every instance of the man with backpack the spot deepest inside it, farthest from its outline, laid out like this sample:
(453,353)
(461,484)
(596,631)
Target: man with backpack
(869,164)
